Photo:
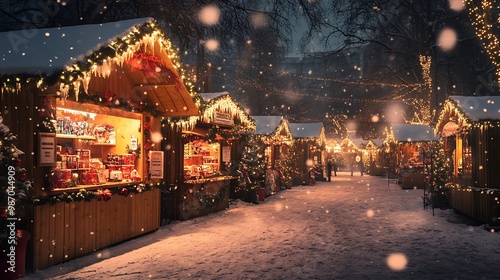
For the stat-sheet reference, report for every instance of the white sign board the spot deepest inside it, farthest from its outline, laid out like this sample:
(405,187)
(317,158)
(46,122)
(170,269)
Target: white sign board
(222,118)
(47,149)
(156,164)
(226,154)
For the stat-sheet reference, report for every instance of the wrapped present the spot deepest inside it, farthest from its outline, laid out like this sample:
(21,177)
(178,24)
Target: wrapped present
(128,159)
(127,171)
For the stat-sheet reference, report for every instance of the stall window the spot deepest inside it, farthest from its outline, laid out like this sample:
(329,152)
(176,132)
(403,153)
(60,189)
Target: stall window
(95,149)
(201,159)
(466,158)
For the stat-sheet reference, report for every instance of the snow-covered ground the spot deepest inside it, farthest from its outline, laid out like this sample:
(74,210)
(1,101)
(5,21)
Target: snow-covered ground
(357,227)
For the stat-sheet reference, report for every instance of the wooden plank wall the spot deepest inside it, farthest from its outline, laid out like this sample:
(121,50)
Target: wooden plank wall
(174,161)
(476,204)
(64,231)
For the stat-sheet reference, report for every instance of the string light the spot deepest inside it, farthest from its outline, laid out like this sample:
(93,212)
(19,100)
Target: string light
(224,103)
(100,63)
(423,112)
(481,18)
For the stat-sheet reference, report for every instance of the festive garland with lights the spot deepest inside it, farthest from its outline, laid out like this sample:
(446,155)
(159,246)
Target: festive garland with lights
(211,200)
(119,51)
(484,24)
(100,194)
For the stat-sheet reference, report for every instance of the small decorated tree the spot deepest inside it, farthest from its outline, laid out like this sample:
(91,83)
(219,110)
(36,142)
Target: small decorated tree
(251,169)
(287,169)
(13,183)
(438,166)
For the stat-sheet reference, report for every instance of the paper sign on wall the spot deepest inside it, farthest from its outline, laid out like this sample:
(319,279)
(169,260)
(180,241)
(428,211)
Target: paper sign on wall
(156,164)
(226,154)
(47,149)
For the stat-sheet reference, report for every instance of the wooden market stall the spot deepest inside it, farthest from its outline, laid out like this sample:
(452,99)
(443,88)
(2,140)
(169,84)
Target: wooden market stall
(309,146)
(86,103)
(210,149)
(351,156)
(470,128)
(405,143)
(277,141)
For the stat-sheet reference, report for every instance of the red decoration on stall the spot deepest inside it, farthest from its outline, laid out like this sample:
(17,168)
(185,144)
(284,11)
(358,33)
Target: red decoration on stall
(152,65)
(124,191)
(109,96)
(104,194)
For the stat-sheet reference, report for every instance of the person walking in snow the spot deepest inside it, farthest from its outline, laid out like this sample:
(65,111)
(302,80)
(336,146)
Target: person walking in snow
(329,170)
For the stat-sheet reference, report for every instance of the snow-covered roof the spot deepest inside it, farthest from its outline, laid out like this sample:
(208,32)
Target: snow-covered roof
(359,142)
(306,130)
(478,108)
(406,132)
(207,96)
(265,125)
(47,50)
(377,142)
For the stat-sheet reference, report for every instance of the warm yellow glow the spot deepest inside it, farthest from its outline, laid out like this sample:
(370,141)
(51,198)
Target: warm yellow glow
(483,21)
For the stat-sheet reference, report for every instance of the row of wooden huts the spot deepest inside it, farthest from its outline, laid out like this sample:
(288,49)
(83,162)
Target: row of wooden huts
(453,158)
(117,142)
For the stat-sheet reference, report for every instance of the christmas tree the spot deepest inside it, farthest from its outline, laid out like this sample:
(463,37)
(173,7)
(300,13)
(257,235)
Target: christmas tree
(438,166)
(287,168)
(13,183)
(251,168)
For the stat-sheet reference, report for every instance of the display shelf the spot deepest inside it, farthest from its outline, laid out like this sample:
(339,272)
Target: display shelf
(70,136)
(97,186)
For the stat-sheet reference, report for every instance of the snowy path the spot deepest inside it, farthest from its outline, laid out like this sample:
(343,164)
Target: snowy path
(344,229)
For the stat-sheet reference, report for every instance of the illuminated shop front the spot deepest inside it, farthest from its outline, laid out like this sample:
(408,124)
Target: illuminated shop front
(309,146)
(210,144)
(470,128)
(277,141)
(406,145)
(91,128)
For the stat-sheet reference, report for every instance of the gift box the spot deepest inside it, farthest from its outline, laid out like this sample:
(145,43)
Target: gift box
(90,178)
(127,170)
(128,159)
(113,167)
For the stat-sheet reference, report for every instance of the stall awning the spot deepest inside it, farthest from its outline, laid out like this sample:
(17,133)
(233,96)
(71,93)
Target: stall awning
(131,59)
(406,132)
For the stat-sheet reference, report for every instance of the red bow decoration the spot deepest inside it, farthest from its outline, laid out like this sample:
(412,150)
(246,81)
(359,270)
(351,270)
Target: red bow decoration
(109,96)
(104,194)
(140,105)
(148,145)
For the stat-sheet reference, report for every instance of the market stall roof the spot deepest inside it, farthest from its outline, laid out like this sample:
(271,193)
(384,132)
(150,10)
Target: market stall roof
(307,130)
(75,56)
(221,109)
(406,132)
(48,50)
(478,108)
(377,142)
(207,96)
(266,125)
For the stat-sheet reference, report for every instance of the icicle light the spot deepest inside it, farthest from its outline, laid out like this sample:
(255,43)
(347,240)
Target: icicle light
(100,62)
(451,113)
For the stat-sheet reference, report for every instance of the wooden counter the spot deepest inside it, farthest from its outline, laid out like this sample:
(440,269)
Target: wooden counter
(202,197)
(64,231)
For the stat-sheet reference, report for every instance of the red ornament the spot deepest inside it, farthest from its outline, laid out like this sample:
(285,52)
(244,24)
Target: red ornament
(124,191)
(16,162)
(21,177)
